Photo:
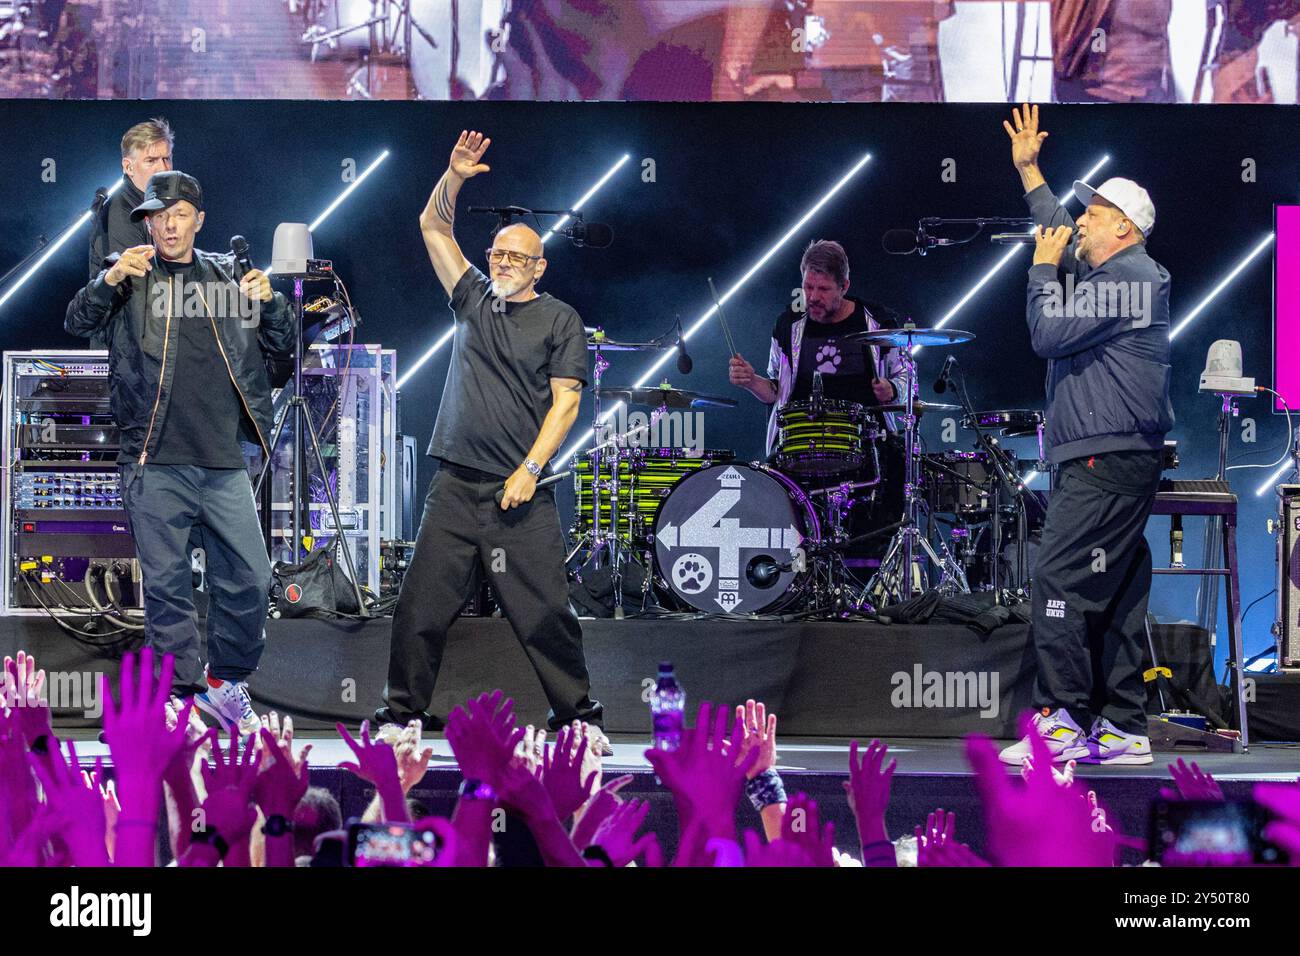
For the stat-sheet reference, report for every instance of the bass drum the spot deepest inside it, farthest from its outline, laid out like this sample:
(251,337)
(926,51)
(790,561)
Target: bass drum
(725,537)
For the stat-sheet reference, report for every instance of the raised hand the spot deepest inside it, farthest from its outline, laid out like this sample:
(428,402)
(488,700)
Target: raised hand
(936,847)
(23,684)
(483,737)
(801,827)
(1026,138)
(467,154)
(76,805)
(1064,776)
(412,761)
(1040,823)
(282,735)
(616,835)
(603,802)
(280,782)
(531,749)
(1191,783)
(759,733)
(868,789)
(703,774)
(563,772)
(136,727)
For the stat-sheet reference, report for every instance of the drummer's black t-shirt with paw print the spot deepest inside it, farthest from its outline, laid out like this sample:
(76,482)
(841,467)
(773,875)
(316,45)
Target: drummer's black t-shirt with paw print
(846,367)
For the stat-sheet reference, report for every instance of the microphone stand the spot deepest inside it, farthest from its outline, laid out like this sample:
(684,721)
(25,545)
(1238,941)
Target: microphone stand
(1007,475)
(42,243)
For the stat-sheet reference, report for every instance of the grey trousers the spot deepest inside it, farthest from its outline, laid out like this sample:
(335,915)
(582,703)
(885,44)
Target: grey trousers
(164,502)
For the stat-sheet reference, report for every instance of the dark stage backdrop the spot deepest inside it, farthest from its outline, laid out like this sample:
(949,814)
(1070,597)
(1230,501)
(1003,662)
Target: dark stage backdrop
(728,181)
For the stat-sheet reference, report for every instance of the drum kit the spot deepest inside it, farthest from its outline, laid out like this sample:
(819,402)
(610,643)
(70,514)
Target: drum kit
(717,536)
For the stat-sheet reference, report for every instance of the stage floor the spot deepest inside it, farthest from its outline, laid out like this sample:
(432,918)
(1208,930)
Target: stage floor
(828,755)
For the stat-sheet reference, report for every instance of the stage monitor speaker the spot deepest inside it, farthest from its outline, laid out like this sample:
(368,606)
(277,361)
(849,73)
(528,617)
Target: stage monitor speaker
(1287,627)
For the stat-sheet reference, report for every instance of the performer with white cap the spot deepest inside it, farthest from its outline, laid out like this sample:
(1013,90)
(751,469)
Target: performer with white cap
(1098,311)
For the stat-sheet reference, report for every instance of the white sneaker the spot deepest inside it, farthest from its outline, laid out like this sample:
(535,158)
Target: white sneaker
(229,703)
(1065,739)
(1107,744)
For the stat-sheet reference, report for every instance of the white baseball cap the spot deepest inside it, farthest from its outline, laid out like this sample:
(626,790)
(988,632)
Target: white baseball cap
(1131,199)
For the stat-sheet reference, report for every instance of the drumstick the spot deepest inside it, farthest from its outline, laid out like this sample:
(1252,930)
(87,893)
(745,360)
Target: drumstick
(501,492)
(717,304)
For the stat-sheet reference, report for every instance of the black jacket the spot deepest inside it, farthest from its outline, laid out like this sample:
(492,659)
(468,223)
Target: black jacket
(111,228)
(143,344)
(1105,334)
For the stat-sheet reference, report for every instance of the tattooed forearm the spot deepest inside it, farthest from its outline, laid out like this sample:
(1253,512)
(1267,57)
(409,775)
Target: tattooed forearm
(440,212)
(446,211)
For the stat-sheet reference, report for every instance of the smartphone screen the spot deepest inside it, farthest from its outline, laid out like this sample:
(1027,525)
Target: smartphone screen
(391,844)
(1208,833)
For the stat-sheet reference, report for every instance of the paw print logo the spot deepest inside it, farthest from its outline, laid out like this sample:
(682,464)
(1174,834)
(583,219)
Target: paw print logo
(828,359)
(692,573)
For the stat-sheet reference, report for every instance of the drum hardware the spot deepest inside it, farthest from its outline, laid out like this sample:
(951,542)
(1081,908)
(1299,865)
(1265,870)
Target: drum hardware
(663,396)
(902,574)
(1007,476)
(390,27)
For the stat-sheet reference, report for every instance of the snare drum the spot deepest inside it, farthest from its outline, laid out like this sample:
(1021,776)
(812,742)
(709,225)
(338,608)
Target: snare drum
(828,437)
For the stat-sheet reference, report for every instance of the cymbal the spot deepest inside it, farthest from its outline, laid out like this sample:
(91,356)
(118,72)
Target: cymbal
(918,407)
(907,336)
(657,395)
(599,342)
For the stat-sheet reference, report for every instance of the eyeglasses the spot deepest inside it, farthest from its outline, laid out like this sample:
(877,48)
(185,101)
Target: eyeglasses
(516,259)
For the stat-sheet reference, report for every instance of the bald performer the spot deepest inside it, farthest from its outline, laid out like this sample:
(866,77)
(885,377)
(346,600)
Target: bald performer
(518,367)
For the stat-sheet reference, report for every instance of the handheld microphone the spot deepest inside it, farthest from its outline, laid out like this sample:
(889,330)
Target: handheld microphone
(239,246)
(941,384)
(684,362)
(1013,238)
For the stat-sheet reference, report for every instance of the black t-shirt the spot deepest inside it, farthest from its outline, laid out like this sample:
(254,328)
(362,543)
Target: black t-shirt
(201,426)
(498,388)
(847,368)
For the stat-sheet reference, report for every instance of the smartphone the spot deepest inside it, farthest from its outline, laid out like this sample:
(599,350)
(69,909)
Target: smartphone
(1212,833)
(391,844)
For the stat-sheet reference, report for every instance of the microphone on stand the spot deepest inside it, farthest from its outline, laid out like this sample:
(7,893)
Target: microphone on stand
(941,384)
(684,362)
(1014,238)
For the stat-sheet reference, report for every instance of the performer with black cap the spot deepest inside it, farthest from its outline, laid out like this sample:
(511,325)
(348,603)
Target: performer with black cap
(186,336)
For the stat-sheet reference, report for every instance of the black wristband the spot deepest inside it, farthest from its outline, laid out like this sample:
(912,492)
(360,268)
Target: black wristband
(41,745)
(597,852)
(276,825)
(213,839)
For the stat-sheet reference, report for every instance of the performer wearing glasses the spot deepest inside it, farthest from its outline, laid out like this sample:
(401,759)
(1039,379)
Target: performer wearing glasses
(518,366)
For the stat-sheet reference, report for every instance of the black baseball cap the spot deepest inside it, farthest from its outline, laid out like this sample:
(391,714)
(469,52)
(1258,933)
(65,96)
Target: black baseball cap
(166,189)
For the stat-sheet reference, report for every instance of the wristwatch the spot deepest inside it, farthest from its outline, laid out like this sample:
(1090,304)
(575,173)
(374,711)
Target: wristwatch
(213,839)
(532,467)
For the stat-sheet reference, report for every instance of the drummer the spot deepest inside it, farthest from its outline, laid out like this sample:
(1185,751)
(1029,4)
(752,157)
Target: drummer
(800,347)
(810,337)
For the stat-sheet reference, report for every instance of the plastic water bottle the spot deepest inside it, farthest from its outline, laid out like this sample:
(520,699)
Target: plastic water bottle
(667,709)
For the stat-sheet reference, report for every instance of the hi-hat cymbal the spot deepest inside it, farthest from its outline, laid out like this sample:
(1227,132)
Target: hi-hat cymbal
(599,342)
(910,336)
(658,395)
(918,407)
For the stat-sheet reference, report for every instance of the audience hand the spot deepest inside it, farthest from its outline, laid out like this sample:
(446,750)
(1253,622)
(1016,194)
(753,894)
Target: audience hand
(1191,783)
(759,733)
(868,790)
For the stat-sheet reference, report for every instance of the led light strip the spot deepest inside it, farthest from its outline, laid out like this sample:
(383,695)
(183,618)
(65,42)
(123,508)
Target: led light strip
(56,246)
